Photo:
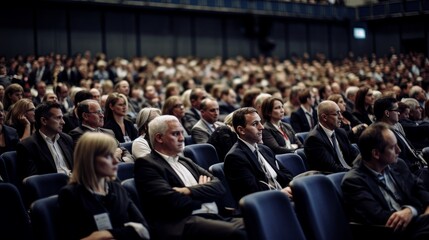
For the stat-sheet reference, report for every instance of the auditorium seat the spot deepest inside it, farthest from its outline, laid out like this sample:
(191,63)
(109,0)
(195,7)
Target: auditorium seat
(130,186)
(292,162)
(8,162)
(203,154)
(268,215)
(40,186)
(125,170)
(301,136)
(228,203)
(45,218)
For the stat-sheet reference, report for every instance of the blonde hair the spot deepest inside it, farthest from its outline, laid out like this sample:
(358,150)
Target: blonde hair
(18,109)
(88,147)
(112,99)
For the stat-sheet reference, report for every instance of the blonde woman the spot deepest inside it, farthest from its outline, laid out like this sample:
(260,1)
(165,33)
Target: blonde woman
(114,115)
(22,117)
(93,205)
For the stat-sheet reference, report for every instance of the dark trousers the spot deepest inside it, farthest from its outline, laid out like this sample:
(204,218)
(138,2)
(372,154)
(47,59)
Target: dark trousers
(213,226)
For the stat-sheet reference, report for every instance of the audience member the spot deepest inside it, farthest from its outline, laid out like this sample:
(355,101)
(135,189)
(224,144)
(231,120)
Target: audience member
(8,135)
(174,106)
(12,94)
(93,205)
(202,130)
(249,166)
(71,118)
(305,118)
(21,117)
(327,146)
(277,135)
(193,115)
(116,110)
(141,146)
(178,197)
(47,150)
(381,190)
(364,105)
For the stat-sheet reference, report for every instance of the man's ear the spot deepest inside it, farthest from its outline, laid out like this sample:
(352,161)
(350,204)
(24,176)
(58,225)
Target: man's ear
(375,153)
(240,130)
(43,121)
(158,138)
(386,113)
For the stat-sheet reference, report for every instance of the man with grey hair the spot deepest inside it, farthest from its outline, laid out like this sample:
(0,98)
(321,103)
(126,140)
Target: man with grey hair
(350,98)
(416,130)
(178,197)
(419,94)
(327,146)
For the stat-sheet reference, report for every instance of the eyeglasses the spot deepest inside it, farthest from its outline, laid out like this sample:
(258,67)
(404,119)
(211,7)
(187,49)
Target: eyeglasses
(99,112)
(394,110)
(178,105)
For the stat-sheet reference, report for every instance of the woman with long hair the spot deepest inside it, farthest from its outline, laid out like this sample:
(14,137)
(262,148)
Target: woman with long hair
(12,94)
(364,105)
(115,118)
(22,117)
(93,205)
(174,106)
(277,135)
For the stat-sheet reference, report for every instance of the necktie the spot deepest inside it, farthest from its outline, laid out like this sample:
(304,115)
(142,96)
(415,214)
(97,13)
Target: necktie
(411,149)
(272,183)
(311,120)
(393,197)
(338,151)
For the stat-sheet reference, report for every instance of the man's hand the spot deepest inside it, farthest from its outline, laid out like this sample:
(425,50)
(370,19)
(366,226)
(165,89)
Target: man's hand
(118,154)
(204,179)
(288,192)
(182,190)
(399,220)
(426,211)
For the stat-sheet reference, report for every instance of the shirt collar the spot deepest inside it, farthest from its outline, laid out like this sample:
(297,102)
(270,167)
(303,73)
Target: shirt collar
(327,131)
(167,158)
(252,147)
(90,128)
(57,136)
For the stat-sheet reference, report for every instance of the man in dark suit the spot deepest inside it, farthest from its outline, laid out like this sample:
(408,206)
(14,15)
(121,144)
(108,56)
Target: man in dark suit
(305,118)
(327,147)
(178,197)
(381,190)
(192,116)
(92,119)
(48,150)
(204,128)
(386,111)
(251,167)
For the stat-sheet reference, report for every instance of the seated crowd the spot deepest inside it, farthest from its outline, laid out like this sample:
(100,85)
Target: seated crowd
(363,116)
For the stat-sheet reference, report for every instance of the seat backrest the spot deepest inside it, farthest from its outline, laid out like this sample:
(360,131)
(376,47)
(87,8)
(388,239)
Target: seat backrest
(127,145)
(336,179)
(189,140)
(301,153)
(268,215)
(40,186)
(319,208)
(125,171)
(14,220)
(9,173)
(203,154)
(45,218)
(292,162)
(301,136)
(228,200)
(286,119)
(130,186)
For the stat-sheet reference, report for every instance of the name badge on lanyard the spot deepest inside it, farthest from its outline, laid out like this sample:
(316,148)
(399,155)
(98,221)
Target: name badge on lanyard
(103,221)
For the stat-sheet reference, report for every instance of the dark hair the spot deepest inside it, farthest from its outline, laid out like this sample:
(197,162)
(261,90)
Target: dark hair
(223,138)
(44,110)
(250,96)
(381,105)
(402,107)
(82,95)
(372,138)
(360,100)
(194,94)
(303,95)
(83,107)
(239,116)
(267,107)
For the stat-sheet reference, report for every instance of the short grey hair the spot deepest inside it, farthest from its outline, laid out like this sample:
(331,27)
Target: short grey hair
(352,90)
(159,125)
(412,103)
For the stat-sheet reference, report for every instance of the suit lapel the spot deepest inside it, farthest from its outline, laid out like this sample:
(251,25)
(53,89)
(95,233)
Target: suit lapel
(250,155)
(171,174)
(44,151)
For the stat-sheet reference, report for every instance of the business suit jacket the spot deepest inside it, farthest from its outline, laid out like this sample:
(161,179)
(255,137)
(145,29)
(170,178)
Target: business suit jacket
(299,122)
(273,138)
(192,116)
(166,209)
(322,156)
(244,173)
(11,139)
(79,131)
(129,128)
(34,156)
(364,200)
(201,132)
(417,132)
(78,206)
